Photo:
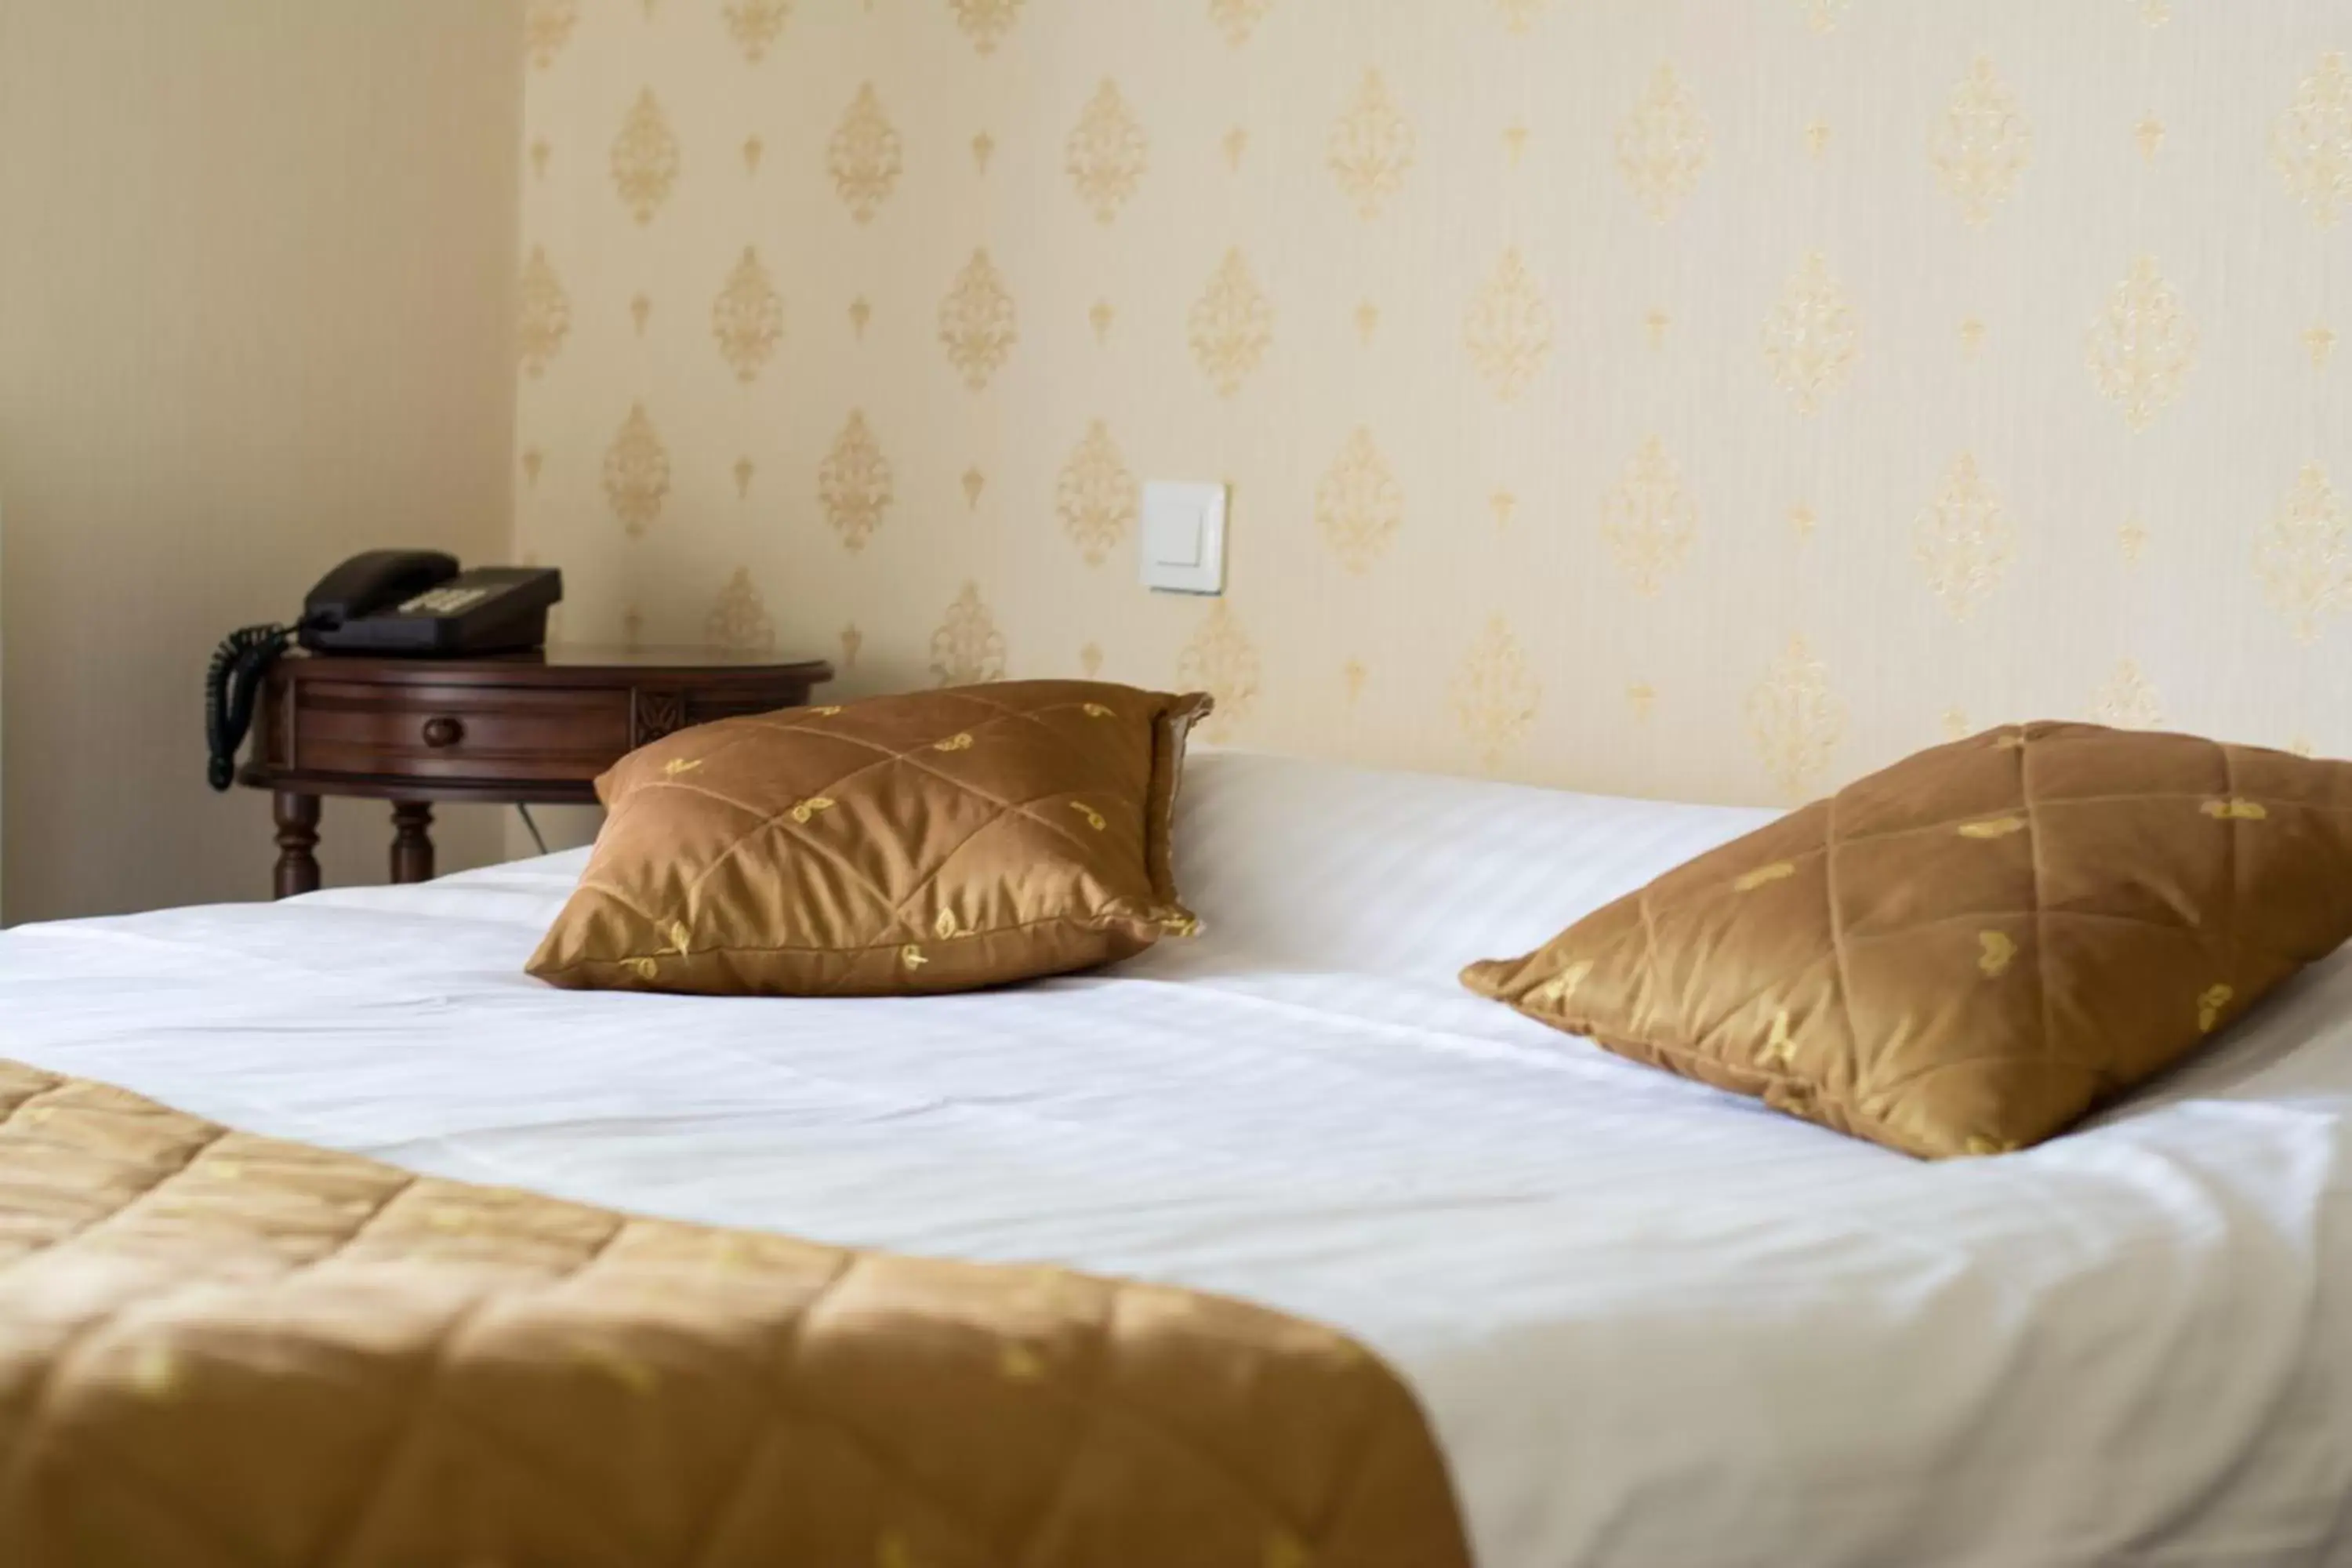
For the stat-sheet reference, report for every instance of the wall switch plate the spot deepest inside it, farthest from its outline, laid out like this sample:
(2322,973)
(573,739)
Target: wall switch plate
(1183,546)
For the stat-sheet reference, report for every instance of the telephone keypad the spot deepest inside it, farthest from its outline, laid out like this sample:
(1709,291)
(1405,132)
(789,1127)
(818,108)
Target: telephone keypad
(445,601)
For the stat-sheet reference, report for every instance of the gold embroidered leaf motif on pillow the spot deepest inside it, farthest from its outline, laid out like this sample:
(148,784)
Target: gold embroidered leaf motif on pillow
(939,841)
(1968,952)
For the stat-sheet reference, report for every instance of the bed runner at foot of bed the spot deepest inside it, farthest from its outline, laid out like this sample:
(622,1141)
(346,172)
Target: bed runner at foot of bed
(220,1349)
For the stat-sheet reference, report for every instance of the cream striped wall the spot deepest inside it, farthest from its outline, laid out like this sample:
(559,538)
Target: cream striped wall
(1713,398)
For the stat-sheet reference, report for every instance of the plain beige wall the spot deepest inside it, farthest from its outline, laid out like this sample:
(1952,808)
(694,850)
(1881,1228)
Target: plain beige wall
(257,312)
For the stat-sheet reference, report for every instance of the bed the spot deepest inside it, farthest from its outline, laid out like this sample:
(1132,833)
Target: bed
(1648,1323)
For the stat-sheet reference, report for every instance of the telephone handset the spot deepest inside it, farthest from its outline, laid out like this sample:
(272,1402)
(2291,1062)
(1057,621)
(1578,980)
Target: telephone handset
(371,582)
(385,602)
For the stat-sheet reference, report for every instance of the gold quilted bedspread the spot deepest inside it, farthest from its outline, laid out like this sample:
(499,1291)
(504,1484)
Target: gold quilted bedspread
(220,1349)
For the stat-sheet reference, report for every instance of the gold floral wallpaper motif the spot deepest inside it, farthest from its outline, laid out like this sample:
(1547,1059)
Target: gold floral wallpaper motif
(2304,556)
(1650,521)
(1520,16)
(2311,146)
(1222,661)
(978,324)
(1510,329)
(2128,699)
(1496,694)
(1811,337)
(740,621)
(1795,722)
(985,22)
(637,472)
(1358,505)
(968,649)
(646,158)
(1964,540)
(865,156)
(1107,153)
(1237,19)
(1821,15)
(543,314)
(1372,147)
(1981,145)
(1658,341)
(1097,498)
(547,27)
(1353,675)
(2131,538)
(2142,347)
(748,318)
(756,25)
(1664,144)
(1232,325)
(855,484)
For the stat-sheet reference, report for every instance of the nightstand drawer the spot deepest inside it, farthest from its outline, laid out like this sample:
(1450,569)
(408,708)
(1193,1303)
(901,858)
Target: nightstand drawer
(523,729)
(426,732)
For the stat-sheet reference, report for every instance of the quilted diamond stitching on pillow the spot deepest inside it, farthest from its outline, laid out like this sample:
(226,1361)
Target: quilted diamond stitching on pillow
(928,842)
(1970,950)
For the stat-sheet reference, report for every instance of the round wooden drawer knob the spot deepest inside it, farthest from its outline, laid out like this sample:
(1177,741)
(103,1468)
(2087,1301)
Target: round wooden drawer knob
(441,732)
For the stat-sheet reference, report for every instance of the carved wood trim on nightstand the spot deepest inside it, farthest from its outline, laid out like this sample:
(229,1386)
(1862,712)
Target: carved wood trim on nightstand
(656,713)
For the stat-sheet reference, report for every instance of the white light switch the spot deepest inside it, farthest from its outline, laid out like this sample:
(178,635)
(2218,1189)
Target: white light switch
(1184,537)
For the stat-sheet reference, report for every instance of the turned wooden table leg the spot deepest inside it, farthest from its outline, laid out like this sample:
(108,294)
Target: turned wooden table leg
(297,816)
(412,842)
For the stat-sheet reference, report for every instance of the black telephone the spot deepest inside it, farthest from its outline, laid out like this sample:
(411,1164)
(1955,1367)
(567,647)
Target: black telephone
(397,602)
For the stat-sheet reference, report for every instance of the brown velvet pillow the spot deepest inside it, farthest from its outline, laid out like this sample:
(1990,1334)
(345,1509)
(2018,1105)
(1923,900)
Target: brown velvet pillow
(935,842)
(1968,952)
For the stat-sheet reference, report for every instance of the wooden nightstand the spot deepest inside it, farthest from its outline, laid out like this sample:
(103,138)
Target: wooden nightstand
(528,729)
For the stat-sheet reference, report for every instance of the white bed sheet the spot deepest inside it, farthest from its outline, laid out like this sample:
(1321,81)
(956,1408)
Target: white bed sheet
(1652,1324)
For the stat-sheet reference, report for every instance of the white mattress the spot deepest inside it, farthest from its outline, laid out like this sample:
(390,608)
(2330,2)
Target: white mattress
(1653,1324)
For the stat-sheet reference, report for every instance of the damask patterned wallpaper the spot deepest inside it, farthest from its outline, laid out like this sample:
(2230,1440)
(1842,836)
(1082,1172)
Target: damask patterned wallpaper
(1713,398)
